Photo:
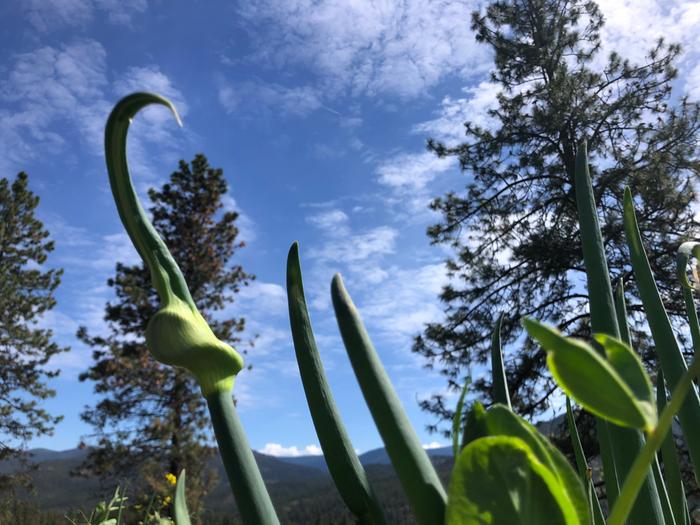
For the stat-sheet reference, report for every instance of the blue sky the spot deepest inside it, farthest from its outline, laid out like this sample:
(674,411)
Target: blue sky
(318,112)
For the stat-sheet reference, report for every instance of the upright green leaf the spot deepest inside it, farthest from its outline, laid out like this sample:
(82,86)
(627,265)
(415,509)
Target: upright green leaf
(687,251)
(670,356)
(343,464)
(619,444)
(629,493)
(669,456)
(499,384)
(663,493)
(180,512)
(499,480)
(417,475)
(457,419)
(583,469)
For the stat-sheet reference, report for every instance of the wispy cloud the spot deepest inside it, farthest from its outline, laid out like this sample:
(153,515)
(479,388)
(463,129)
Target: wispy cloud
(330,221)
(412,171)
(448,124)
(349,247)
(245,224)
(48,15)
(261,97)
(405,302)
(401,48)
(267,298)
(632,28)
(47,86)
(51,94)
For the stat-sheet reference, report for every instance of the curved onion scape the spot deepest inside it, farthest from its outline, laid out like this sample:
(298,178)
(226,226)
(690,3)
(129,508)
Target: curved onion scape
(506,472)
(177,334)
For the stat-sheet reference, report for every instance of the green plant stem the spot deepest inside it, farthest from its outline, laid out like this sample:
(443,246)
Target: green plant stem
(165,273)
(618,446)
(343,464)
(669,455)
(413,467)
(637,474)
(499,385)
(252,499)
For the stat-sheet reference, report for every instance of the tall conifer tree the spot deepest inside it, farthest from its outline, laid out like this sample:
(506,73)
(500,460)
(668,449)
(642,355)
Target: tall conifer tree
(152,419)
(26,294)
(514,231)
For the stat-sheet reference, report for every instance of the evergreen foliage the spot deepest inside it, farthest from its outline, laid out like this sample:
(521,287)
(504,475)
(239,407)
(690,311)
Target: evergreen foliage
(514,232)
(151,419)
(26,295)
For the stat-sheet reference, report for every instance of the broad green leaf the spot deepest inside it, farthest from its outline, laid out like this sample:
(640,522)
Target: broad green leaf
(500,421)
(498,480)
(587,377)
(475,426)
(627,364)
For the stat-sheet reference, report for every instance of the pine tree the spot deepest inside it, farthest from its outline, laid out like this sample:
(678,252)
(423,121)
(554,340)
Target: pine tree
(514,232)
(152,419)
(26,294)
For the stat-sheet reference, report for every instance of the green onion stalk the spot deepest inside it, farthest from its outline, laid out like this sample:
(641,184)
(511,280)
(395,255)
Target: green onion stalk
(178,335)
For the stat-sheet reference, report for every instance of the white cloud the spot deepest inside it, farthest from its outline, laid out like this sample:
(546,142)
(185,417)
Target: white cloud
(48,15)
(412,171)
(52,92)
(259,296)
(121,12)
(432,445)
(45,15)
(448,125)
(275,449)
(266,97)
(693,83)
(102,254)
(403,304)
(395,47)
(331,221)
(47,85)
(246,225)
(632,28)
(350,248)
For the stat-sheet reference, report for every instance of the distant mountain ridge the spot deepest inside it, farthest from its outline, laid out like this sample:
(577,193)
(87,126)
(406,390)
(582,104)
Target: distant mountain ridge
(377,456)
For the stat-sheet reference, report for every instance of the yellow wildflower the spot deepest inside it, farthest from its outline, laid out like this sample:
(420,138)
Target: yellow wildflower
(171,478)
